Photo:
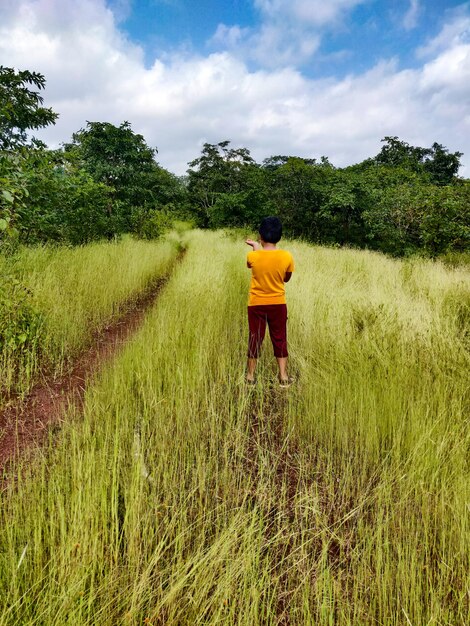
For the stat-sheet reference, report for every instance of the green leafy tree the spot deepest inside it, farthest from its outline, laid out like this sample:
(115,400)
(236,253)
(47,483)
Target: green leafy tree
(393,221)
(298,190)
(20,106)
(272,163)
(13,193)
(440,165)
(64,204)
(119,158)
(346,197)
(224,185)
(20,111)
(412,217)
(445,222)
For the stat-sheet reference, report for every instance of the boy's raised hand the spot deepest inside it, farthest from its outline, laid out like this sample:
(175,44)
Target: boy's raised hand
(254,244)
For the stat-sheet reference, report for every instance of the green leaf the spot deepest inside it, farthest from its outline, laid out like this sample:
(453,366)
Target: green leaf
(3,224)
(8,196)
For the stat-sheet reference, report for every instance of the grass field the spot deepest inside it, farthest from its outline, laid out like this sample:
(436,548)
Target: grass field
(52,300)
(182,497)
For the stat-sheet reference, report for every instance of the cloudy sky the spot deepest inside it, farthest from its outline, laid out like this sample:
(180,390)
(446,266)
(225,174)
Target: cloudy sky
(298,77)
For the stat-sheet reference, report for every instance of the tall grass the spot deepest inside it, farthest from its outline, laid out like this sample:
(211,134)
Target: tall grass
(182,497)
(55,298)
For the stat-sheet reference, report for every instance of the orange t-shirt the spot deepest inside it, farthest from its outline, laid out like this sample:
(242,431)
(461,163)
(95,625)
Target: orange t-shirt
(268,270)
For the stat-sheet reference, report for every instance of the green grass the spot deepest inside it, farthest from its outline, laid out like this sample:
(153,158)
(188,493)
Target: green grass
(55,298)
(181,497)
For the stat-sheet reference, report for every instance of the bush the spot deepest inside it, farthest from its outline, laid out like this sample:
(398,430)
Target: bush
(153,223)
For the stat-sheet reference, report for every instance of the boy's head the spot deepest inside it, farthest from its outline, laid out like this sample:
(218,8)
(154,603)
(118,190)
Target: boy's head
(270,229)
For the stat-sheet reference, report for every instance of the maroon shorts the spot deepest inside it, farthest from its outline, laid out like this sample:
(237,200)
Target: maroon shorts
(275,315)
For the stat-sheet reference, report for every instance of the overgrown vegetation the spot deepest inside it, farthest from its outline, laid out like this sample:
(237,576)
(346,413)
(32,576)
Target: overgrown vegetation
(181,497)
(52,300)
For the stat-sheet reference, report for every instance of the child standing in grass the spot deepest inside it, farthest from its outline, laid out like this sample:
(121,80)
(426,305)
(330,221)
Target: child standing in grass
(270,269)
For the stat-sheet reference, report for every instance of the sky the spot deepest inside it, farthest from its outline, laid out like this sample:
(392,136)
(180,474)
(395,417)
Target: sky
(293,77)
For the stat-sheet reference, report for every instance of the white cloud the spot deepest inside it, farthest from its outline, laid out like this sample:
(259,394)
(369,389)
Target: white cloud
(94,73)
(230,36)
(410,20)
(290,31)
(455,32)
(313,12)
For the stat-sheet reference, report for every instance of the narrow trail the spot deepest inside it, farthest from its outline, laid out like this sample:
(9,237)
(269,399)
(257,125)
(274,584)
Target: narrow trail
(24,425)
(268,436)
(291,474)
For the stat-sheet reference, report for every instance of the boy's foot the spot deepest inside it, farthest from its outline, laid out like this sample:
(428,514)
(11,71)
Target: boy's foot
(286,382)
(250,381)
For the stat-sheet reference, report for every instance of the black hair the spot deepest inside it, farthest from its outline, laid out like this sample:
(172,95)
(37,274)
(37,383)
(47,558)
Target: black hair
(270,229)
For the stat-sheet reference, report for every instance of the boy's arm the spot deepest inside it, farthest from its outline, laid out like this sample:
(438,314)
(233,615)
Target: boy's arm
(289,270)
(254,244)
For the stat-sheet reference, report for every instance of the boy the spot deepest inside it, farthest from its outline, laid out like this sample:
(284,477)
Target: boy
(270,269)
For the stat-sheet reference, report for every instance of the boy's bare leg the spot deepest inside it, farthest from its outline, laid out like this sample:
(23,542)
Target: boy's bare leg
(250,369)
(282,362)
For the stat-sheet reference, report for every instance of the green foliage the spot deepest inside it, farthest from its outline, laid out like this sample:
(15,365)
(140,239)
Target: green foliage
(436,162)
(411,217)
(13,193)
(53,200)
(152,224)
(445,224)
(19,320)
(20,106)
(223,185)
(297,194)
(117,157)
(399,202)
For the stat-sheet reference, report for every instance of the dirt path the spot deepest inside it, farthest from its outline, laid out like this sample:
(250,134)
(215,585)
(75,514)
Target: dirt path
(291,472)
(24,425)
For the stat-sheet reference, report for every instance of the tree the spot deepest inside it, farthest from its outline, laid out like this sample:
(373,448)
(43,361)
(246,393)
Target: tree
(398,153)
(117,157)
(346,196)
(121,159)
(273,162)
(440,165)
(218,184)
(428,217)
(20,107)
(64,203)
(298,190)
(20,111)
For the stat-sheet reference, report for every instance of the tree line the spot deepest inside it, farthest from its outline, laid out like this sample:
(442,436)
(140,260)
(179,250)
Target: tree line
(106,181)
